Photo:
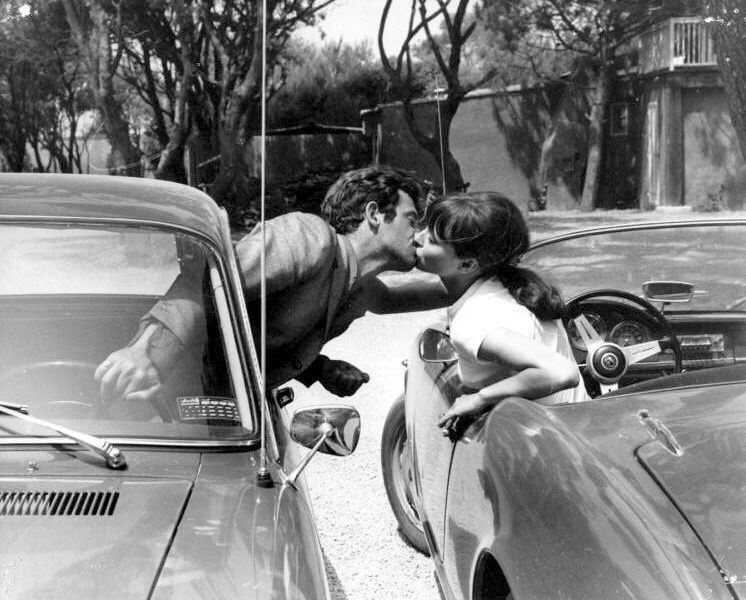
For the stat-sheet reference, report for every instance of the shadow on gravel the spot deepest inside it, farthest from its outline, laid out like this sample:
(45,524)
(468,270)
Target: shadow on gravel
(336,589)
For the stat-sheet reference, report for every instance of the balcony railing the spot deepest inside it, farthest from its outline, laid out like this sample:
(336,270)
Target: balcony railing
(679,42)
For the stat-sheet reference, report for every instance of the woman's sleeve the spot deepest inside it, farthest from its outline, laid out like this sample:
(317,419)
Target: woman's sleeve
(481,316)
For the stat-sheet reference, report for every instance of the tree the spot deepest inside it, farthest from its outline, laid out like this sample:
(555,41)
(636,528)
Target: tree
(235,33)
(199,65)
(95,27)
(727,21)
(447,49)
(328,85)
(597,35)
(42,91)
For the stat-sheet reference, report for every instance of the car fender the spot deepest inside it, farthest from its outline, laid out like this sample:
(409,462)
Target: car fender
(556,513)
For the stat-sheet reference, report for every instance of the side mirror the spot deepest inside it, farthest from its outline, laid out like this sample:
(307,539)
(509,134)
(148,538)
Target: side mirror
(436,346)
(668,291)
(330,429)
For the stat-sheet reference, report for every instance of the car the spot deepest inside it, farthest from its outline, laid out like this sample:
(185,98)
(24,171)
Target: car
(197,494)
(637,492)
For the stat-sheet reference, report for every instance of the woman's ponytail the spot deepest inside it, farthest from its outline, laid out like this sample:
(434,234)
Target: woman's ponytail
(530,290)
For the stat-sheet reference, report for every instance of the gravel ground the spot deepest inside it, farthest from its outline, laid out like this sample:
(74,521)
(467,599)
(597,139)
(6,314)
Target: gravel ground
(366,558)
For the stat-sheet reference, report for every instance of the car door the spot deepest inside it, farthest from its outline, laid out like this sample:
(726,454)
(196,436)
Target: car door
(431,389)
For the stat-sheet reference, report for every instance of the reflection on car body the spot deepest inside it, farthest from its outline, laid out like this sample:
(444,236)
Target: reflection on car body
(112,498)
(637,493)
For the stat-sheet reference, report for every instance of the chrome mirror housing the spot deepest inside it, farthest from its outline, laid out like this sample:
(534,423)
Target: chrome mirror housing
(668,291)
(334,428)
(436,346)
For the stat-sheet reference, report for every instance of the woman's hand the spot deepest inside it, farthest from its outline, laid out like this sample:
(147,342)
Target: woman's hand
(467,405)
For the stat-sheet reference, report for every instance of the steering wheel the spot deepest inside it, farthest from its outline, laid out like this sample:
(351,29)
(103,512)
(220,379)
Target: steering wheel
(607,362)
(41,384)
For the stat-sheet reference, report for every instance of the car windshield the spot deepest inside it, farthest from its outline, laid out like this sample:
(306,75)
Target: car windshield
(72,294)
(708,256)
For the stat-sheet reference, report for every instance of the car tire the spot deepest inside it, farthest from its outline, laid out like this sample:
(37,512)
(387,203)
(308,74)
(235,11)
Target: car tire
(397,477)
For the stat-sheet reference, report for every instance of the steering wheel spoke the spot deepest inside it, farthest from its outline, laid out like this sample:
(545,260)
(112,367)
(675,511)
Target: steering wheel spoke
(639,352)
(587,333)
(607,362)
(608,387)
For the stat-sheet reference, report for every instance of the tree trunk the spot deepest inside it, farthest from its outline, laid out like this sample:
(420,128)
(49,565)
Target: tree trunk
(171,164)
(729,31)
(241,115)
(450,168)
(96,49)
(595,139)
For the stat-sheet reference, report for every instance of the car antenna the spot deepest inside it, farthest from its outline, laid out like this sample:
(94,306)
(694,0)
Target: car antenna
(263,477)
(438,92)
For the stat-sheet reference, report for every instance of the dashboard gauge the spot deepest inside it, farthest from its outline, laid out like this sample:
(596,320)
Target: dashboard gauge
(596,322)
(627,333)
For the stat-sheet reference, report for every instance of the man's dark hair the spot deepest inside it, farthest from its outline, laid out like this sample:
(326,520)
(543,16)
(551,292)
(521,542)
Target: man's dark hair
(344,204)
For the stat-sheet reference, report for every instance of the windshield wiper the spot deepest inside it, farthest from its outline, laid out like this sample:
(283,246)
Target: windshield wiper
(113,456)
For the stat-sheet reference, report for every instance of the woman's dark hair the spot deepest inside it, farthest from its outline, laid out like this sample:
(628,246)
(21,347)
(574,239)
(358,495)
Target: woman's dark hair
(344,204)
(489,227)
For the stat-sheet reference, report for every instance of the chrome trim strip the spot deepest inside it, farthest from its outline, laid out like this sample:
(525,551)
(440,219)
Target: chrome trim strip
(186,444)
(109,221)
(634,226)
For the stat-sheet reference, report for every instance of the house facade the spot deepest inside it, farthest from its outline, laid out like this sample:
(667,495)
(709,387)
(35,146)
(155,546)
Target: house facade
(689,148)
(668,138)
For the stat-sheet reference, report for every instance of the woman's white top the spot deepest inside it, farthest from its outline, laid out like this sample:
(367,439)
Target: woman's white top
(488,305)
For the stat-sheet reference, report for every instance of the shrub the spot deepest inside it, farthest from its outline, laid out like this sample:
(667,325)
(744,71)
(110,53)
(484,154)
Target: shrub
(713,202)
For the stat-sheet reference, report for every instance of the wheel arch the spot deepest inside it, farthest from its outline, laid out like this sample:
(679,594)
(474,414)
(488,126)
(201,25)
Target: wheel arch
(489,581)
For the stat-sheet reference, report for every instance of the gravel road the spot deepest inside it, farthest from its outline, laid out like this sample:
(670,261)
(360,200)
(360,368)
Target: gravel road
(366,558)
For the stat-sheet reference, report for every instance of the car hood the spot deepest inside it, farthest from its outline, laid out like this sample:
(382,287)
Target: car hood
(691,441)
(173,525)
(88,539)
(707,483)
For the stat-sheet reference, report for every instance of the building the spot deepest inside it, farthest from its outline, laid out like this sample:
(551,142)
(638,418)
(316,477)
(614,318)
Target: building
(668,137)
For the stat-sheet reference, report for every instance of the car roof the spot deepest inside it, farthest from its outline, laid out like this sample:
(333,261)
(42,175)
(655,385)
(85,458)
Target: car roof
(108,198)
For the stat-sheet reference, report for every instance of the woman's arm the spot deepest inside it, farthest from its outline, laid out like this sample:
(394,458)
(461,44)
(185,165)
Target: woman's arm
(540,372)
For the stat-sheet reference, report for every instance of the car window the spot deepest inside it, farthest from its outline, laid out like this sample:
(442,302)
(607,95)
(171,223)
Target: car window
(71,295)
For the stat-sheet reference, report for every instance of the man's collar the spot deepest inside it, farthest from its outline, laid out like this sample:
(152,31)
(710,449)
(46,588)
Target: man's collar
(349,261)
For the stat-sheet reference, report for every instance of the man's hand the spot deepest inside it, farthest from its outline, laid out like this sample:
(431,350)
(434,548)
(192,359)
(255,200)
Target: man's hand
(130,375)
(340,377)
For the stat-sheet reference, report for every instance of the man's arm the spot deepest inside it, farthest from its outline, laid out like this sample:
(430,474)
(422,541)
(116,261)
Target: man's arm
(175,324)
(418,294)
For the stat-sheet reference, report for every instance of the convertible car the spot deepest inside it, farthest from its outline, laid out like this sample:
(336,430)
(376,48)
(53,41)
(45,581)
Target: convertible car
(639,492)
(195,493)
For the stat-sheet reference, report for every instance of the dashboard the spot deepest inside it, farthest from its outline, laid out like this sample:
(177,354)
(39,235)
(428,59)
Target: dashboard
(707,339)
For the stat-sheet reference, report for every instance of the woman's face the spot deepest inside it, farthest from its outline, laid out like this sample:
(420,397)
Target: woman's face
(436,256)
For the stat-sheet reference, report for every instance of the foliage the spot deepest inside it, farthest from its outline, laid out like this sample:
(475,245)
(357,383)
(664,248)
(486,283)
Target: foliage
(306,191)
(328,85)
(727,20)
(42,92)
(713,202)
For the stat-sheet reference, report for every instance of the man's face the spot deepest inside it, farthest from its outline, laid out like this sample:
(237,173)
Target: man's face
(397,235)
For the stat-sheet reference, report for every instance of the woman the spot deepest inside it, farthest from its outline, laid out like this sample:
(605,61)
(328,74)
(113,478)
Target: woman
(505,322)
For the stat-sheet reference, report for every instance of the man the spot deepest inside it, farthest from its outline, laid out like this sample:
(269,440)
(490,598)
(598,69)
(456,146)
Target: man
(321,274)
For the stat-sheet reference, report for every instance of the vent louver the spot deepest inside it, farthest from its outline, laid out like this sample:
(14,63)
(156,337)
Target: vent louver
(59,504)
